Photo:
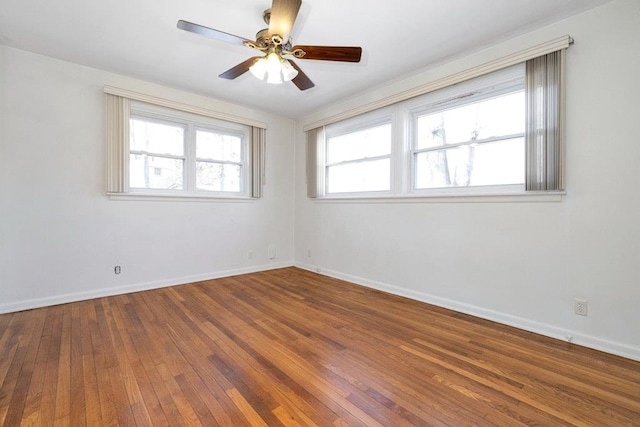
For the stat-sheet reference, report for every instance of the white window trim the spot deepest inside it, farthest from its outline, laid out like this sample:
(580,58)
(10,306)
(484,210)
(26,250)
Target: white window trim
(482,195)
(159,196)
(119,103)
(180,106)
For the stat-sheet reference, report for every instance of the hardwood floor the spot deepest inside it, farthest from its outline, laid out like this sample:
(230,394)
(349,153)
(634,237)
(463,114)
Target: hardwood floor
(289,347)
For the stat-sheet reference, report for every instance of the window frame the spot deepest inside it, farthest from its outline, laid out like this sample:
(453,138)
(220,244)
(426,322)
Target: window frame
(163,121)
(367,121)
(193,122)
(118,102)
(243,163)
(403,187)
(479,89)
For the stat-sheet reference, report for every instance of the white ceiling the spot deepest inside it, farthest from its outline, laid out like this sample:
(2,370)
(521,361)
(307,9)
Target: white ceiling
(139,38)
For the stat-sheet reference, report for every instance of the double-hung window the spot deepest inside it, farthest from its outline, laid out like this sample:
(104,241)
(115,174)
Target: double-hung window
(165,152)
(220,158)
(157,153)
(475,139)
(358,155)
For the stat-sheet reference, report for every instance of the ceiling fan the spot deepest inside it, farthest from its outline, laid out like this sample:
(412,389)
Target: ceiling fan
(275,43)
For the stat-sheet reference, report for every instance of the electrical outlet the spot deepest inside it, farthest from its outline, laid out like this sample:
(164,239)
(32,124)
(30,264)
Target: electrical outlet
(580,307)
(271,252)
(308,253)
(117,269)
(250,255)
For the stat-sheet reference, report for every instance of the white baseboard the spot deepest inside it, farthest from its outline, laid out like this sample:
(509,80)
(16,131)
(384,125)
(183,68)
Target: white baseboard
(119,290)
(612,347)
(619,349)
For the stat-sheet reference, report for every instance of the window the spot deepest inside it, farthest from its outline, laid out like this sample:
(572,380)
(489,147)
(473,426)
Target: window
(358,156)
(219,160)
(498,133)
(474,141)
(166,152)
(156,154)
(186,153)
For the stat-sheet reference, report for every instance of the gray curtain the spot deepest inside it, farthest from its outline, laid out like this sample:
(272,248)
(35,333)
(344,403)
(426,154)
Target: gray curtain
(117,109)
(544,127)
(312,163)
(258,137)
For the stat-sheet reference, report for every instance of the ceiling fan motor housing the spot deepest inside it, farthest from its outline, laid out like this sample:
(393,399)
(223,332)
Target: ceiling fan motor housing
(263,40)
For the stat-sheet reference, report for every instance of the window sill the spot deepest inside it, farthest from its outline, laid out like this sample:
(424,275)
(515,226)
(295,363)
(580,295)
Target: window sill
(178,197)
(475,197)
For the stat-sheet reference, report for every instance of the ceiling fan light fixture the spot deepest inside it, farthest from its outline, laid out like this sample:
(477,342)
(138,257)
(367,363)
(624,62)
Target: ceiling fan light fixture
(273,69)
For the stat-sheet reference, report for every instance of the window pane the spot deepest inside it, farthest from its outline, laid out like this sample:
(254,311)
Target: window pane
(218,146)
(155,172)
(496,163)
(503,115)
(154,137)
(218,177)
(371,142)
(361,176)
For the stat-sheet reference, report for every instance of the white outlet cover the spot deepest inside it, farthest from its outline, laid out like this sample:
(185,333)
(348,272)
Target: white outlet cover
(271,252)
(580,307)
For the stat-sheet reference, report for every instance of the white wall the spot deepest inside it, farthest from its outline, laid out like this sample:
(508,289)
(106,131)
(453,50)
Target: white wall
(518,263)
(60,236)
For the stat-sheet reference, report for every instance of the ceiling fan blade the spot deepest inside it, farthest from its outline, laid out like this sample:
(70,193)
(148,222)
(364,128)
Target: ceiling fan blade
(211,33)
(328,53)
(239,69)
(301,80)
(283,16)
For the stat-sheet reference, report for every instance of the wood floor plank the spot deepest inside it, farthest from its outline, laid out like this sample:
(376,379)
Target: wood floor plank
(89,373)
(63,386)
(46,409)
(36,411)
(286,418)
(105,361)
(187,413)
(77,415)
(23,372)
(123,383)
(246,408)
(8,343)
(293,348)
